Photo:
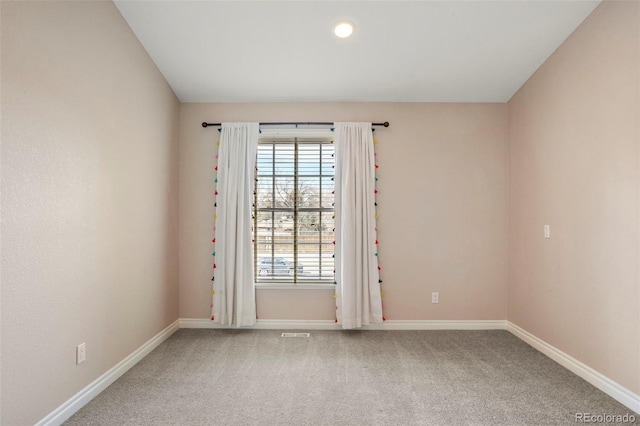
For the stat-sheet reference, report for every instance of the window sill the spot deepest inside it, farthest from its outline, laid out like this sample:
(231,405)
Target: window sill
(291,286)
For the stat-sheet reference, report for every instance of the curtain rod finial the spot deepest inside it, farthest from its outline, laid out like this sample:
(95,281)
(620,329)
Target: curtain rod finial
(204,124)
(385,124)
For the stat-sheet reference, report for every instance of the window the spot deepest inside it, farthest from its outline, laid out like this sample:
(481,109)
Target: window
(293,229)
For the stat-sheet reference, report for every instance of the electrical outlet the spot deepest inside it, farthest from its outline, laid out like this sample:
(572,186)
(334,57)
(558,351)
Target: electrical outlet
(81,353)
(435,298)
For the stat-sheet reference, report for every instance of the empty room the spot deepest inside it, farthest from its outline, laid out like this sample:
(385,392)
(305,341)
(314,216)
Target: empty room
(320,212)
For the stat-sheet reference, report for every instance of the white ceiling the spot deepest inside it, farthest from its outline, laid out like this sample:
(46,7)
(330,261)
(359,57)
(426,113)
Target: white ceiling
(402,51)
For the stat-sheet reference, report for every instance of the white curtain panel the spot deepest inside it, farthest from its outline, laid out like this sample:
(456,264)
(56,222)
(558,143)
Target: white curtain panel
(234,301)
(358,298)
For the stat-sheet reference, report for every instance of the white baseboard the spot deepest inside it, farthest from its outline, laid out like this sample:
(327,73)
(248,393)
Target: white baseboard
(600,381)
(79,400)
(261,324)
(437,325)
(331,325)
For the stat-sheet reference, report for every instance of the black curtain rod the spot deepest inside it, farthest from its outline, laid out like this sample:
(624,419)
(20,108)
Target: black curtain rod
(295,123)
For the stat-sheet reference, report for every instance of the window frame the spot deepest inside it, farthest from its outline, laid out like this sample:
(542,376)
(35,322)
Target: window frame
(294,138)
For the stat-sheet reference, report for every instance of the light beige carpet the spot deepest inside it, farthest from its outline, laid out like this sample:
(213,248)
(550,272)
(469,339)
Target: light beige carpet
(235,377)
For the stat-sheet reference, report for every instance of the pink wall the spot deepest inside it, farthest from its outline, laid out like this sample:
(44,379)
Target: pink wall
(89,200)
(574,164)
(442,206)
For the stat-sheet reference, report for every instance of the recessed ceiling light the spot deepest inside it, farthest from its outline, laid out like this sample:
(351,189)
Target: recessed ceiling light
(344,29)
